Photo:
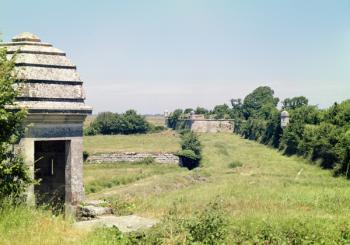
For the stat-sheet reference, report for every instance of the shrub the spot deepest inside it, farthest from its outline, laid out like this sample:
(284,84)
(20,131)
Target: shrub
(14,176)
(191,152)
(122,207)
(209,226)
(112,123)
(85,155)
(190,141)
(235,164)
(188,154)
(156,128)
(148,160)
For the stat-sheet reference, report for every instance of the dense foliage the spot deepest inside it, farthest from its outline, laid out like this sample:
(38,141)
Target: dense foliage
(320,135)
(191,149)
(14,177)
(210,226)
(126,123)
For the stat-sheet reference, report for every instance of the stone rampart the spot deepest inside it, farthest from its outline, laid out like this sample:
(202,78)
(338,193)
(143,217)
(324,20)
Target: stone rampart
(167,158)
(211,125)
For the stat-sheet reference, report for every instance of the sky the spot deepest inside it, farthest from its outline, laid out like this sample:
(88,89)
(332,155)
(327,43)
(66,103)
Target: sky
(157,55)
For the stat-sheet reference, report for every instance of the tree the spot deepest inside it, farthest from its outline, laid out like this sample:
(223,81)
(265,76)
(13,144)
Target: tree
(295,102)
(188,110)
(174,118)
(104,123)
(339,114)
(221,111)
(237,109)
(201,111)
(113,123)
(14,176)
(259,103)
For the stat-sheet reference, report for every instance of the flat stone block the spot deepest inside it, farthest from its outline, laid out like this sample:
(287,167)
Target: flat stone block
(127,223)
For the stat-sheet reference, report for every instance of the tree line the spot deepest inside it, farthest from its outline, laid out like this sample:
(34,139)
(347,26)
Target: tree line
(320,135)
(124,123)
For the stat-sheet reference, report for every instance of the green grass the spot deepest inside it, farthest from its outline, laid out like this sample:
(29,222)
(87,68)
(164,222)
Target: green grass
(98,177)
(266,184)
(166,141)
(25,225)
(268,187)
(267,198)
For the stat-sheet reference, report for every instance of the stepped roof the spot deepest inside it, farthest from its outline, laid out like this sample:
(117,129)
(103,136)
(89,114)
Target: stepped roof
(49,81)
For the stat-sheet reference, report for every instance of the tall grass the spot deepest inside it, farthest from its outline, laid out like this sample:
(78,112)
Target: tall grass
(27,225)
(269,199)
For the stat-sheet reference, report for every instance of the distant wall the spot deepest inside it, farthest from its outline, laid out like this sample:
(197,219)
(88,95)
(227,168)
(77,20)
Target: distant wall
(167,158)
(211,125)
(201,125)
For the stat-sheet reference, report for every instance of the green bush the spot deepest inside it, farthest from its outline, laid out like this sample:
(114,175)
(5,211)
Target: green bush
(188,154)
(156,128)
(235,164)
(14,175)
(148,160)
(191,150)
(112,123)
(190,141)
(122,207)
(85,155)
(209,226)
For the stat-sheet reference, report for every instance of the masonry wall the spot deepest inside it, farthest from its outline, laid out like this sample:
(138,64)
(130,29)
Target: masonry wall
(211,126)
(166,158)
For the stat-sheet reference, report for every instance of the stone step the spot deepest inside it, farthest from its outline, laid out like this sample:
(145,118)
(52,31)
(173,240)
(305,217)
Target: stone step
(127,223)
(90,211)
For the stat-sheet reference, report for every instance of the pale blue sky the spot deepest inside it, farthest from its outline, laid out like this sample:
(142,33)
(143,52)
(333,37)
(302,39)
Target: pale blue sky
(156,55)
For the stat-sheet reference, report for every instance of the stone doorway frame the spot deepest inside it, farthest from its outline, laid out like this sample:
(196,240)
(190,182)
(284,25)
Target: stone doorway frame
(74,190)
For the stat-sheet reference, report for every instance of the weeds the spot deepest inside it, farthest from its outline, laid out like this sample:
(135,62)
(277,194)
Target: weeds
(235,164)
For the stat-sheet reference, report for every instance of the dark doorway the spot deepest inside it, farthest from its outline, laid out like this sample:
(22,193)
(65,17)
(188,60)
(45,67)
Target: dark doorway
(50,164)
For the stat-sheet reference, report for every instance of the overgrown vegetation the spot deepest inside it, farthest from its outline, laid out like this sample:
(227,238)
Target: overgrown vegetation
(191,149)
(319,135)
(103,176)
(14,177)
(126,123)
(209,226)
(270,199)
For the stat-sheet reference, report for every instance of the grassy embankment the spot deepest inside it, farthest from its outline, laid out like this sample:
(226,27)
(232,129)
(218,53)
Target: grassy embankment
(166,141)
(268,195)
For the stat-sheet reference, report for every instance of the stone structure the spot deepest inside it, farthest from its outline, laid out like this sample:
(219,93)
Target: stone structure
(284,119)
(52,93)
(199,124)
(166,158)
(211,125)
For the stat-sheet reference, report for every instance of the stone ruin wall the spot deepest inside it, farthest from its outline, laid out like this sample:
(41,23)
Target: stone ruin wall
(166,158)
(212,126)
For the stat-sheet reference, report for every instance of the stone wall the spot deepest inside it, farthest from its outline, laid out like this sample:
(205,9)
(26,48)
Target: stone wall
(199,124)
(212,126)
(167,158)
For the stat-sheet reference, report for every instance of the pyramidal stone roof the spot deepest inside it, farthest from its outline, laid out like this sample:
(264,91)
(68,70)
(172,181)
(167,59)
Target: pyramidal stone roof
(49,81)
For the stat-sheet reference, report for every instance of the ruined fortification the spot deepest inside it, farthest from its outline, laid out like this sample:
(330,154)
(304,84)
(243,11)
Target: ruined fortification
(200,124)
